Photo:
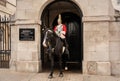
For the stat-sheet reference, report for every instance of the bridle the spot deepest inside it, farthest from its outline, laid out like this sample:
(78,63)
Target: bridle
(46,37)
(47,42)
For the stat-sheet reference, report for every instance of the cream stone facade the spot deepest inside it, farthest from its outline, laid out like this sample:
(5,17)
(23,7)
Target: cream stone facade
(99,31)
(7,7)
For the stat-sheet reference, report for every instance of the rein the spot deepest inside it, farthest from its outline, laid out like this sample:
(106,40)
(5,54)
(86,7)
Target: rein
(46,42)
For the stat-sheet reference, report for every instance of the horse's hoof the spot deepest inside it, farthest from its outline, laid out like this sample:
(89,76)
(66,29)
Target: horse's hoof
(50,76)
(61,75)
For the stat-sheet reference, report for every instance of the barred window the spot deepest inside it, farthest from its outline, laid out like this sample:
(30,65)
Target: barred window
(3,2)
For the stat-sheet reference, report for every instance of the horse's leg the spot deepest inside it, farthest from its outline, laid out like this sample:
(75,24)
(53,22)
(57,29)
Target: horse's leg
(52,66)
(66,67)
(60,64)
(64,61)
(65,58)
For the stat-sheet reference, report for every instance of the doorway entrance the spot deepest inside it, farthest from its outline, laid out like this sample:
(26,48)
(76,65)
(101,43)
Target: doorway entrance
(72,18)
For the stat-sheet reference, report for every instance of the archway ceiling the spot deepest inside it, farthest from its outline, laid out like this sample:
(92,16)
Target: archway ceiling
(61,5)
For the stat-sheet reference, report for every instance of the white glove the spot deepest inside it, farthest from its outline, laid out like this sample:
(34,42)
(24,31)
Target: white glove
(63,32)
(62,36)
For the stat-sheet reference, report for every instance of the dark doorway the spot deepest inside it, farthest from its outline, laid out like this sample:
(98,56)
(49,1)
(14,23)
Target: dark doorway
(72,18)
(74,35)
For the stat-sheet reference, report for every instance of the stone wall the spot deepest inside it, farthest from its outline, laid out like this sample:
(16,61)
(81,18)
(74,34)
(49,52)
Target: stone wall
(96,48)
(115,47)
(25,54)
(9,8)
(100,36)
(96,38)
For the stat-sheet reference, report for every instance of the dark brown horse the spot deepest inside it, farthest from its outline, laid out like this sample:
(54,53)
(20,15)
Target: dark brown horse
(54,45)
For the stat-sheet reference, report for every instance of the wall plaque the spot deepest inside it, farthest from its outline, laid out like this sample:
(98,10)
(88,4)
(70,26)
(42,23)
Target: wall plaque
(27,34)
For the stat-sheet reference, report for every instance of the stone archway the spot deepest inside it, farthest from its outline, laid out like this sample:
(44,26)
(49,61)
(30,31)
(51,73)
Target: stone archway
(34,14)
(69,10)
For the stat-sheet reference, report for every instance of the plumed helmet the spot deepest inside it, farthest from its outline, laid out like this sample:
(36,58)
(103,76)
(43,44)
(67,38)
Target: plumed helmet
(59,18)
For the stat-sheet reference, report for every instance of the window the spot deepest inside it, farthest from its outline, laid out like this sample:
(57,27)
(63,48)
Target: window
(3,2)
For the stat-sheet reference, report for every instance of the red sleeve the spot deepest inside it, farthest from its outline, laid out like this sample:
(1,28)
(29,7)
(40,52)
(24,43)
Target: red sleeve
(64,28)
(55,28)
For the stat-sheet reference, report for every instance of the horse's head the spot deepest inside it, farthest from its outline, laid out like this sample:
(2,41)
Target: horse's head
(48,36)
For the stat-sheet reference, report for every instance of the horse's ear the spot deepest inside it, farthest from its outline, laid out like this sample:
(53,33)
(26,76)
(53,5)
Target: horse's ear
(43,29)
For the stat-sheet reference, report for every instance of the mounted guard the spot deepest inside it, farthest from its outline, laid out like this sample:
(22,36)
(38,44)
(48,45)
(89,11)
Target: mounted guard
(61,31)
(56,39)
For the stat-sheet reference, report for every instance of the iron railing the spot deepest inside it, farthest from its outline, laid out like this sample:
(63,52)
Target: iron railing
(5,42)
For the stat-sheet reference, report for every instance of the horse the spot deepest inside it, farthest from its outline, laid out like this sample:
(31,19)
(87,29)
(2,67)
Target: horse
(54,45)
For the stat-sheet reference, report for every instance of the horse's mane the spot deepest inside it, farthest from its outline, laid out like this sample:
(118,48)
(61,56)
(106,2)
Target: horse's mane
(56,40)
(46,29)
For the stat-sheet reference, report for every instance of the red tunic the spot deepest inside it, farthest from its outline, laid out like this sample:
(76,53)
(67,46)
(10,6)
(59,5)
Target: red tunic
(64,28)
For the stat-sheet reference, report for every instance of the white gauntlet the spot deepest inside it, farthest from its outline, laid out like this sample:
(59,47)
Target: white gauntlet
(63,32)
(62,36)
(57,33)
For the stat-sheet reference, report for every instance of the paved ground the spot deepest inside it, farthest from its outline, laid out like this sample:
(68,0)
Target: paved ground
(7,75)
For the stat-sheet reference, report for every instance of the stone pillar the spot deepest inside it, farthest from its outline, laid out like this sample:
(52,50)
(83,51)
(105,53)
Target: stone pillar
(115,47)
(25,55)
(96,46)
(0,39)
